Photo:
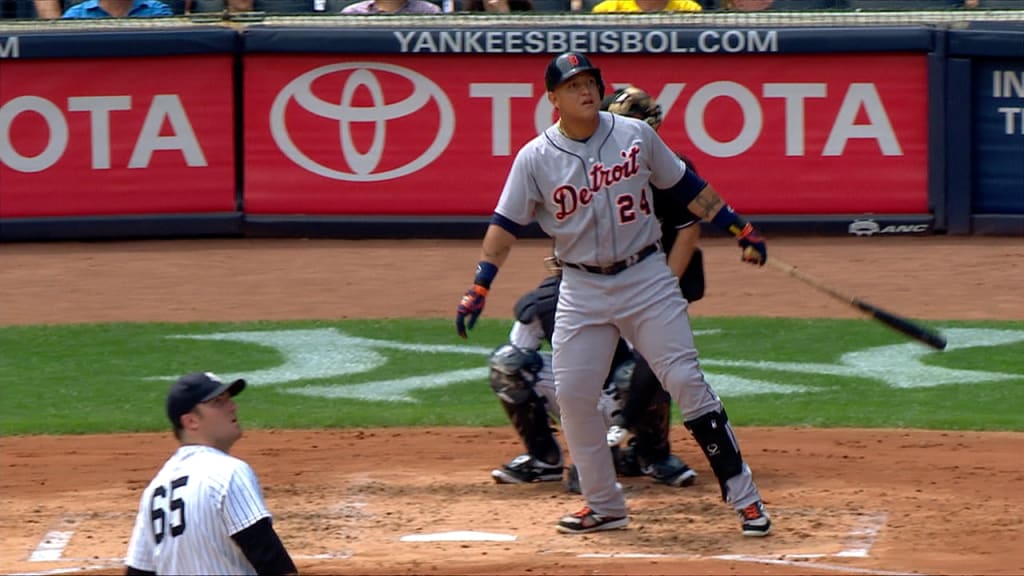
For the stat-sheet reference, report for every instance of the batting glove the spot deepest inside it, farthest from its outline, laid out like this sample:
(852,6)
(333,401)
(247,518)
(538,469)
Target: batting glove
(752,243)
(471,305)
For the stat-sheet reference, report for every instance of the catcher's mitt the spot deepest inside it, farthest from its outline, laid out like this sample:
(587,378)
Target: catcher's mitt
(692,280)
(635,103)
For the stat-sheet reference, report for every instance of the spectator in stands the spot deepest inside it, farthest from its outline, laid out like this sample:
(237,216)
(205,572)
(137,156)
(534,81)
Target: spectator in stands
(501,6)
(392,7)
(647,6)
(118,9)
(48,9)
(192,6)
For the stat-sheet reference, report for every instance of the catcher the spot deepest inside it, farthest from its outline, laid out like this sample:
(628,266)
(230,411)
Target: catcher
(634,403)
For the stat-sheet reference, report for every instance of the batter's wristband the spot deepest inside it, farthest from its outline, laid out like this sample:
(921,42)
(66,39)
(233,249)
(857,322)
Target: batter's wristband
(729,221)
(485,273)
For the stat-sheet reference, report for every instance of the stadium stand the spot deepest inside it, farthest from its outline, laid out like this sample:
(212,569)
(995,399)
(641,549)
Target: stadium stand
(551,6)
(17,9)
(798,5)
(904,4)
(268,6)
(176,6)
(1002,4)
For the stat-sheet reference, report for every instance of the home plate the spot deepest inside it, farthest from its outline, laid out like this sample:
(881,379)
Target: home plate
(458,536)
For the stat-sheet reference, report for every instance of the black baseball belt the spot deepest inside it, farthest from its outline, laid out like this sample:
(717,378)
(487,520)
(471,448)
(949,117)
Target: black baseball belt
(616,267)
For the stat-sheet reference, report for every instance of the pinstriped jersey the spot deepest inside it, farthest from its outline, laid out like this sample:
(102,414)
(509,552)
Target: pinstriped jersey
(594,198)
(189,511)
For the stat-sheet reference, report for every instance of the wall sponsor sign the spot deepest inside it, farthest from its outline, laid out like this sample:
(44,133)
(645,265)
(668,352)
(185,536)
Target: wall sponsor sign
(431,134)
(998,119)
(104,136)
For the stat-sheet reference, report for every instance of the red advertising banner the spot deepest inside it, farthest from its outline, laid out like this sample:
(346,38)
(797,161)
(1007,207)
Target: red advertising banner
(112,136)
(436,134)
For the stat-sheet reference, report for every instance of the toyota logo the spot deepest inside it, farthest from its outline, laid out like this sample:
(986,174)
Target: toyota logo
(363,165)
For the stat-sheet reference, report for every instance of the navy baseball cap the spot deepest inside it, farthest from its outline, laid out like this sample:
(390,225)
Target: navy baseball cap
(195,388)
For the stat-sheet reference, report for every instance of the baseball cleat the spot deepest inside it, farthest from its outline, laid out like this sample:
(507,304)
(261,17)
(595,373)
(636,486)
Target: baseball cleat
(526,469)
(586,521)
(756,521)
(672,472)
(685,477)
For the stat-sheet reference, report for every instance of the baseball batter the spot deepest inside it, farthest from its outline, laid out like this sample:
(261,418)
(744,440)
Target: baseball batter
(204,513)
(588,180)
(635,406)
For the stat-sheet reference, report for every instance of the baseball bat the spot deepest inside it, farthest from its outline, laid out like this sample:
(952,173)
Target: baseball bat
(894,321)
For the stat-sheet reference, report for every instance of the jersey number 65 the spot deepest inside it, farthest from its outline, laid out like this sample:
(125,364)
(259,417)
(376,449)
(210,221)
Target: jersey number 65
(159,511)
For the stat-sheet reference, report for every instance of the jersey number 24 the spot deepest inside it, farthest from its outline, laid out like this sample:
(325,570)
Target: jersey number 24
(627,208)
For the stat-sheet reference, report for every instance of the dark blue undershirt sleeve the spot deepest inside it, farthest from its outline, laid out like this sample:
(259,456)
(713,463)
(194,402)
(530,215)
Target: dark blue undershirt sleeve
(688,187)
(263,549)
(510,226)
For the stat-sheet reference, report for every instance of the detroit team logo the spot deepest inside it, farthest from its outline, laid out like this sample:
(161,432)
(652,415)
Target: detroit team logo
(567,198)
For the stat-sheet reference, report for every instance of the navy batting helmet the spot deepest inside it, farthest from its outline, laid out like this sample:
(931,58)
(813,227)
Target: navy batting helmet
(567,65)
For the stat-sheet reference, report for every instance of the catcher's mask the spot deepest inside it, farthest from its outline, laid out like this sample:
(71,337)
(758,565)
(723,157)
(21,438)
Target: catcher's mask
(635,103)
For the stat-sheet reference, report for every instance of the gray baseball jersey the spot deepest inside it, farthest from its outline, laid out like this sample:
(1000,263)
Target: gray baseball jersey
(598,204)
(187,514)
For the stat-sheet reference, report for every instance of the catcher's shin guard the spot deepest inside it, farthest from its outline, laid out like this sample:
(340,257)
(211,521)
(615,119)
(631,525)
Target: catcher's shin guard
(651,431)
(714,434)
(531,421)
(648,413)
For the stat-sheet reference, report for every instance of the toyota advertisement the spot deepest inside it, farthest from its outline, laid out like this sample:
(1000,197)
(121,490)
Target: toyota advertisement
(103,136)
(415,134)
(435,134)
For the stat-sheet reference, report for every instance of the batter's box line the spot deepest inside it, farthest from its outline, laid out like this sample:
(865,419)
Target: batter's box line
(91,564)
(784,561)
(60,531)
(856,544)
(342,555)
(72,569)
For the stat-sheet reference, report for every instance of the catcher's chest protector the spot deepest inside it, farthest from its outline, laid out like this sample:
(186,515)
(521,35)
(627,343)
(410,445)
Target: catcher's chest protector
(540,303)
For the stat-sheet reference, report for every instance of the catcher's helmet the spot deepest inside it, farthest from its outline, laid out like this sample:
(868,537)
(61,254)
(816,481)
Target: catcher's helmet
(635,103)
(567,65)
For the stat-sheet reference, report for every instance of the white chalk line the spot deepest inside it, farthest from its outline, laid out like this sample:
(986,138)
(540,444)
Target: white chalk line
(52,546)
(860,540)
(857,544)
(53,543)
(90,564)
(810,565)
(72,569)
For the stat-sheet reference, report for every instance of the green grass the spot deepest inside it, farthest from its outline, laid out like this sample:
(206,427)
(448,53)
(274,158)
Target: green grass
(113,377)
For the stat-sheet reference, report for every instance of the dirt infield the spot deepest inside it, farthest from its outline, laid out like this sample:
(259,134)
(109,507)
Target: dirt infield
(845,501)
